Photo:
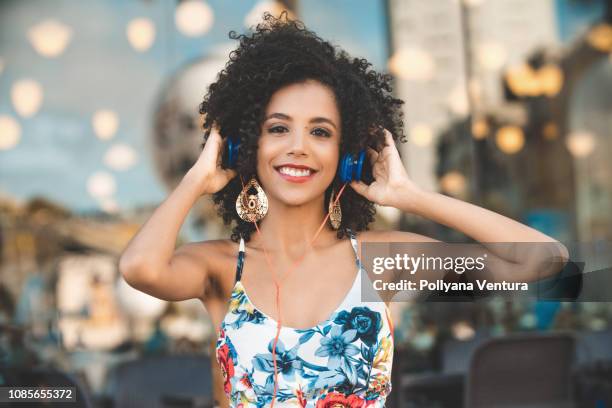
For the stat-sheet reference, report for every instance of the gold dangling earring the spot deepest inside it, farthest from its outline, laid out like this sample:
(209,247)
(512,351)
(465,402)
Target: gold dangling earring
(252,207)
(335,212)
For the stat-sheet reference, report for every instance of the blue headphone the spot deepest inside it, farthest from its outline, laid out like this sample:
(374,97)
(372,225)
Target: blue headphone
(350,167)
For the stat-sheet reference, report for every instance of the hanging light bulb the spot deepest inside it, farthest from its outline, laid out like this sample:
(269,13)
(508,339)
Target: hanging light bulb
(522,80)
(510,139)
(480,128)
(421,134)
(412,64)
(550,79)
(491,55)
(458,100)
(273,7)
(50,37)
(600,37)
(550,131)
(580,143)
(141,33)
(453,183)
(120,157)
(101,184)
(109,205)
(193,18)
(10,132)
(105,123)
(27,96)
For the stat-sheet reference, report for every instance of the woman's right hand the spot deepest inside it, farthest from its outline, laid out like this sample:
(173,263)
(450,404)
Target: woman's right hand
(207,169)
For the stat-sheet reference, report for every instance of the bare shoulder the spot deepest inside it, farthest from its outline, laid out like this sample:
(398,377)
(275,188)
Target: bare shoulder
(393,236)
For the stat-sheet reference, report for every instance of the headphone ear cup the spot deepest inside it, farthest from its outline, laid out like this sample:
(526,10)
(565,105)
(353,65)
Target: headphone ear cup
(351,167)
(344,162)
(359,166)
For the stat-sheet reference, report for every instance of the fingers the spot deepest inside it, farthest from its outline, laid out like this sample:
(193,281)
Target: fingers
(372,155)
(390,148)
(359,186)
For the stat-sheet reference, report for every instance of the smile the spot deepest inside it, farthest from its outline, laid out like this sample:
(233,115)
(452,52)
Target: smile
(295,175)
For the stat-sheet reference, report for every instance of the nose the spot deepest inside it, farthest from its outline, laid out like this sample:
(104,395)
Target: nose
(298,142)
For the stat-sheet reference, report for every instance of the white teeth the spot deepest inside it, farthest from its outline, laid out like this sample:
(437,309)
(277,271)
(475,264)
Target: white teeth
(295,172)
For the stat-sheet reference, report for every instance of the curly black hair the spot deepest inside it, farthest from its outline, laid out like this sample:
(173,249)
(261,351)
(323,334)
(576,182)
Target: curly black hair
(279,52)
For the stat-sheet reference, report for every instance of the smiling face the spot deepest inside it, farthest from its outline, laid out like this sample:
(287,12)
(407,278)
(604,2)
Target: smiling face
(298,148)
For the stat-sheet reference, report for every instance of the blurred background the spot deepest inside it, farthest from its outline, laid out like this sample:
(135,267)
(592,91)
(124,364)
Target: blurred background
(508,106)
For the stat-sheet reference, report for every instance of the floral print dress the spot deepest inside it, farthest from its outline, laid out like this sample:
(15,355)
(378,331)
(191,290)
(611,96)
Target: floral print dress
(344,361)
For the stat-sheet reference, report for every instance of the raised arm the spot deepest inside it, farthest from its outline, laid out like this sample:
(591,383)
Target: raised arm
(515,252)
(150,262)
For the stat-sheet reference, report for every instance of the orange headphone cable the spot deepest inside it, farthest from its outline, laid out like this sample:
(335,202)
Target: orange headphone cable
(277,285)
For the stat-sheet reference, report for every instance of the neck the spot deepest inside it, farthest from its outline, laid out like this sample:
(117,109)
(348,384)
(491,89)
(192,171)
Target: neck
(287,230)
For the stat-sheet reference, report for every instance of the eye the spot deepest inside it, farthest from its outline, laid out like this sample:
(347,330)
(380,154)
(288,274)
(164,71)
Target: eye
(275,128)
(325,132)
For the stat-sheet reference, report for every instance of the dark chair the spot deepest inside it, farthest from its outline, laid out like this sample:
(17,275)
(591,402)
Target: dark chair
(457,354)
(162,382)
(594,346)
(522,370)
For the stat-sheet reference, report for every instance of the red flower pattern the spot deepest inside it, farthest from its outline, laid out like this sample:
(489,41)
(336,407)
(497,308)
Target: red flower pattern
(227,367)
(338,400)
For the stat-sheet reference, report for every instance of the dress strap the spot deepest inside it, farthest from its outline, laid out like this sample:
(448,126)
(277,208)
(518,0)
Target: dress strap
(354,244)
(241,252)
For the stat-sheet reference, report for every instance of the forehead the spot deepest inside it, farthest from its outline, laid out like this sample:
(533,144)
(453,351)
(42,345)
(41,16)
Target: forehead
(307,99)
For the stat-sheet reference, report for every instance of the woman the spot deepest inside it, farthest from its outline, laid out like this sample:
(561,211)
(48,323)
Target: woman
(297,104)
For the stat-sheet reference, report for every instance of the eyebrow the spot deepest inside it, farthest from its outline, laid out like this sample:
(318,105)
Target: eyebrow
(318,119)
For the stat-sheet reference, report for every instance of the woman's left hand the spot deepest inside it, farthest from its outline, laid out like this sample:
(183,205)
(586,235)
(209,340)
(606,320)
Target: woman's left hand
(391,182)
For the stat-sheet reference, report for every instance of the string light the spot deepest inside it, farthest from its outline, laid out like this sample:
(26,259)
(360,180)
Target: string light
(50,37)
(105,123)
(412,64)
(120,157)
(580,143)
(10,132)
(27,96)
(193,18)
(141,33)
(421,134)
(101,185)
(510,139)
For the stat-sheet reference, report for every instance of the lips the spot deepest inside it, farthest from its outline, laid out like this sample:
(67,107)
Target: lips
(295,166)
(295,173)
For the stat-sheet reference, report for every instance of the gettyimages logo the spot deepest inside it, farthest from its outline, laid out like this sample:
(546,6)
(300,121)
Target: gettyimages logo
(439,271)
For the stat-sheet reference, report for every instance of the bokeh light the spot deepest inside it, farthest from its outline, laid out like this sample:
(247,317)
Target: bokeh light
(600,37)
(458,100)
(453,183)
(580,143)
(480,128)
(510,139)
(262,6)
(141,33)
(491,55)
(550,131)
(105,123)
(27,96)
(101,184)
(10,132)
(412,64)
(50,37)
(193,18)
(421,134)
(120,156)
